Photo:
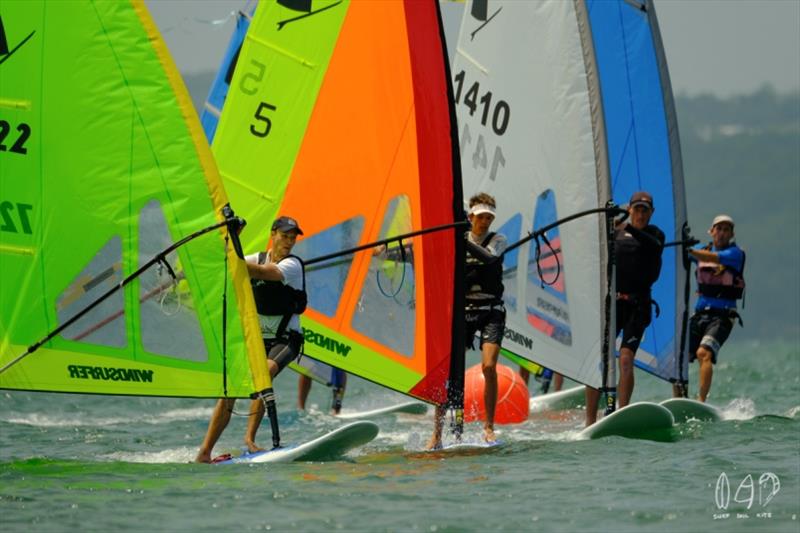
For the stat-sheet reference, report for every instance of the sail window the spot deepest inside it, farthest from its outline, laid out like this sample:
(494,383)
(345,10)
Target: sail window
(325,281)
(546,291)
(386,310)
(105,324)
(168,322)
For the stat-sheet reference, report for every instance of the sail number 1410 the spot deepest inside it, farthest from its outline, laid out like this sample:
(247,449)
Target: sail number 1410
(501,111)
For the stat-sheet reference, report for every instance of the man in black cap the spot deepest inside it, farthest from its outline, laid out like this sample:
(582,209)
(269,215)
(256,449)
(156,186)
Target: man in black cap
(279,289)
(638,246)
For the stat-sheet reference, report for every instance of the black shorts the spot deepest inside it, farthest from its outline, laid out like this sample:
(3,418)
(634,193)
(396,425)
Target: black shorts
(709,329)
(490,322)
(284,350)
(633,317)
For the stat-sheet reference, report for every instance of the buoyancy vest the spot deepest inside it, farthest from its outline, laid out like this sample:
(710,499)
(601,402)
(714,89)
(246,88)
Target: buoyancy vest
(275,298)
(482,277)
(638,266)
(716,280)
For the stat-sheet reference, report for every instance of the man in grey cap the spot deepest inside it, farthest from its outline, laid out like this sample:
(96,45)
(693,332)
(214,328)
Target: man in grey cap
(720,282)
(638,247)
(279,289)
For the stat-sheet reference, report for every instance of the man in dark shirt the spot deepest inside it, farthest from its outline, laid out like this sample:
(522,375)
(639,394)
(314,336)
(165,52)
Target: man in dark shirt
(638,246)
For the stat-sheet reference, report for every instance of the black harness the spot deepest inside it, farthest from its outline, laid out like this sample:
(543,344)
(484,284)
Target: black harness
(484,278)
(275,298)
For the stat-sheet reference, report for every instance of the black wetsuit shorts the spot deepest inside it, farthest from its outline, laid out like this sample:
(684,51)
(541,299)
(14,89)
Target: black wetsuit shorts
(633,317)
(710,329)
(284,350)
(490,322)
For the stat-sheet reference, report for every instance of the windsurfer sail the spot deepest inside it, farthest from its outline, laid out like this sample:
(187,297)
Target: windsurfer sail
(212,109)
(112,282)
(644,154)
(532,135)
(306,130)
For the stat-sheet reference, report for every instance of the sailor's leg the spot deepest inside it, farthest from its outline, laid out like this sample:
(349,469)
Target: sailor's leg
(705,357)
(626,381)
(490,352)
(219,420)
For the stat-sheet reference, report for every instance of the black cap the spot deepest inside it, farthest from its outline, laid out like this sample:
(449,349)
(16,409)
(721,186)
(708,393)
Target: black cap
(641,198)
(286,224)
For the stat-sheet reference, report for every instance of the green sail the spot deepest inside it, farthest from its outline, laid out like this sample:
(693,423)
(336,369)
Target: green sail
(103,165)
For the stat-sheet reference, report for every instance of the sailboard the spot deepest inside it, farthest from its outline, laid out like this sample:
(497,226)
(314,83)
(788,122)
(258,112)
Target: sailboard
(572,398)
(306,131)
(532,135)
(644,154)
(404,408)
(467,447)
(115,250)
(685,409)
(328,447)
(639,420)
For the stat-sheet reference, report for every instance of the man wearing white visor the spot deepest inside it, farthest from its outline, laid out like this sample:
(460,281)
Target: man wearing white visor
(484,311)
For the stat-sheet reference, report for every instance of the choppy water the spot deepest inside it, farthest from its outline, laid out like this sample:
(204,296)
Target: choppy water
(71,462)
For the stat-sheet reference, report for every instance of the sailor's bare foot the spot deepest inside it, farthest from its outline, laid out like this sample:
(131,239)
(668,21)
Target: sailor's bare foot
(434,444)
(488,435)
(252,447)
(203,457)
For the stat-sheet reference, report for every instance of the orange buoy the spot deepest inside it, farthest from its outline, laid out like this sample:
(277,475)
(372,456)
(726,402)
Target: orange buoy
(512,396)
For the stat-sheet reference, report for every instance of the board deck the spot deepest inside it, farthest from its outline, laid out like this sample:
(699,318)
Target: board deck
(640,420)
(467,447)
(328,447)
(572,398)
(409,408)
(684,409)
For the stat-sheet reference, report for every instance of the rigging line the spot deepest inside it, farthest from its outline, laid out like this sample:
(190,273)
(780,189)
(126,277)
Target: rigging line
(612,210)
(539,265)
(229,221)
(453,225)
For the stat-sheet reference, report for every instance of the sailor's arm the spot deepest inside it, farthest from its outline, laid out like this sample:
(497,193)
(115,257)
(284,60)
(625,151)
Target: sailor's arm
(480,253)
(653,242)
(268,271)
(704,255)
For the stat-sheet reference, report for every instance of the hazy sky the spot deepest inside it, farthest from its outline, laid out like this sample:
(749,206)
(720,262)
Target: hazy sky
(720,46)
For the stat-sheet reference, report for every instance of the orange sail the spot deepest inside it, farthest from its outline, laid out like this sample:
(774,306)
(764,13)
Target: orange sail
(373,156)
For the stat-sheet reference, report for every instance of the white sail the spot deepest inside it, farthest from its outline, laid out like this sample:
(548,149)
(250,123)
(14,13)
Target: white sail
(532,135)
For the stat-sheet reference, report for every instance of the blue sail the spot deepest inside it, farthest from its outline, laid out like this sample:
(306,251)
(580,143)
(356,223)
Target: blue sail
(644,154)
(212,108)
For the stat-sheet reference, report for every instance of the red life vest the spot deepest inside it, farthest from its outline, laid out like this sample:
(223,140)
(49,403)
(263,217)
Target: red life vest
(719,281)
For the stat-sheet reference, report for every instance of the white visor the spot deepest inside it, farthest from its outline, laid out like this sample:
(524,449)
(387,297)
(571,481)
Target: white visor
(477,209)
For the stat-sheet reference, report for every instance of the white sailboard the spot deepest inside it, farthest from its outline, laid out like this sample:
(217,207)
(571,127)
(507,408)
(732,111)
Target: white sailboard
(640,420)
(329,447)
(572,398)
(406,408)
(685,409)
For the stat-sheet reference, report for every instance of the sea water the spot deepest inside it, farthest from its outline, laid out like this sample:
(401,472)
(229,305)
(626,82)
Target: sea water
(98,463)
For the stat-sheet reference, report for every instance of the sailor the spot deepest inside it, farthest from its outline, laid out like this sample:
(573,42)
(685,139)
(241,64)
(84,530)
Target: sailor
(638,247)
(484,311)
(278,280)
(720,283)
(338,386)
